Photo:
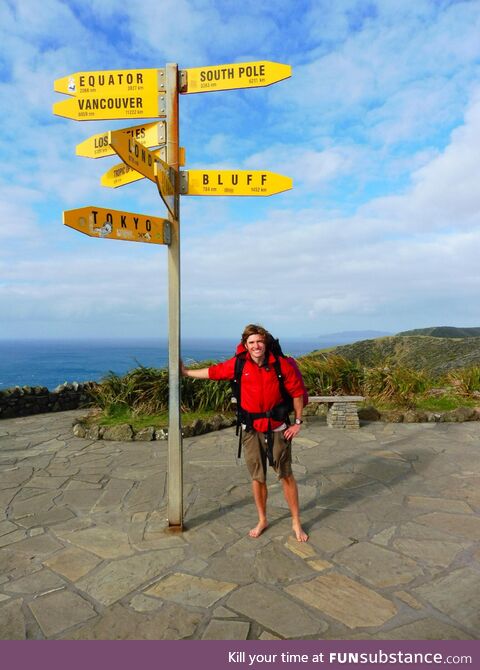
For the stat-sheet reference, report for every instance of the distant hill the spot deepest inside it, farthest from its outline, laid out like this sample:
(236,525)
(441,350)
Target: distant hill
(434,354)
(443,331)
(349,336)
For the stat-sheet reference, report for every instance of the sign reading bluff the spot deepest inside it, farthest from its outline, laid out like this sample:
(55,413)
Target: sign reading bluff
(115,225)
(233,182)
(233,75)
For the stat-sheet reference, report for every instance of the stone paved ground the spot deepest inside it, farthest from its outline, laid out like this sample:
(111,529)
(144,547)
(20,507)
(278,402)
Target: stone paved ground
(393,512)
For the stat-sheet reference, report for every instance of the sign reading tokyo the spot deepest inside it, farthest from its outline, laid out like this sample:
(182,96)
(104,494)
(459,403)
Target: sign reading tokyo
(233,182)
(234,75)
(148,134)
(111,82)
(115,225)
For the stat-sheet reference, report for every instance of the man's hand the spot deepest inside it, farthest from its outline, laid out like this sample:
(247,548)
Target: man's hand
(291,432)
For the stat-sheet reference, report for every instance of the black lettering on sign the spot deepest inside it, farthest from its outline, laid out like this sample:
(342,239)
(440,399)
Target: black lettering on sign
(249,179)
(148,225)
(235,179)
(123,220)
(219,179)
(81,81)
(135,221)
(264,179)
(205,179)
(94,214)
(109,217)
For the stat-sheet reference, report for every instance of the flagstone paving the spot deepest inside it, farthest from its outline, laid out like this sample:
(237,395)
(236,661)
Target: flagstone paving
(393,513)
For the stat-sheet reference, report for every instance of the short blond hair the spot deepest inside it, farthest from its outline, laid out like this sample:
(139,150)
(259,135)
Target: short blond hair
(254,329)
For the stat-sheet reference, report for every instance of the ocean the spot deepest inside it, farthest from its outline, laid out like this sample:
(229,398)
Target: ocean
(53,362)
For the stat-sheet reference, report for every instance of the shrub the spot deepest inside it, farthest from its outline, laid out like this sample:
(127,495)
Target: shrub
(466,381)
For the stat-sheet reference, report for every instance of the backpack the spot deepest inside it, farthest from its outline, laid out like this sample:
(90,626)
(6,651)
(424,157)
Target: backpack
(281,411)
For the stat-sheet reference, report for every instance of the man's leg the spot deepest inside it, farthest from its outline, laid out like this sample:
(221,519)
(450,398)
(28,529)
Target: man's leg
(260,494)
(290,491)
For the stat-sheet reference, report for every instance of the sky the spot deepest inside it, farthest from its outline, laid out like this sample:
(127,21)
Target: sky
(379,127)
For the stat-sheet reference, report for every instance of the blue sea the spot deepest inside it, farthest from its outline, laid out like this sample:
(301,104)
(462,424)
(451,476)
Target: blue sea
(53,362)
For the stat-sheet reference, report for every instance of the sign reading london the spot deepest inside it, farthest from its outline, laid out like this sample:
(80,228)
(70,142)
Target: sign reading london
(112,94)
(115,225)
(233,75)
(233,182)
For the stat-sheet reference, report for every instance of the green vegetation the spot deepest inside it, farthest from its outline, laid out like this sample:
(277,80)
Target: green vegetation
(443,331)
(140,397)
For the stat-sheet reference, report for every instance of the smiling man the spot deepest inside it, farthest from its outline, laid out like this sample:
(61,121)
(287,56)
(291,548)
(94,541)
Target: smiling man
(264,416)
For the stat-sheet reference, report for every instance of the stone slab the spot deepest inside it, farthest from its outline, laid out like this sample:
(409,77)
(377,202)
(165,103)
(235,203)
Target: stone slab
(171,622)
(461,525)
(456,595)
(377,565)
(73,563)
(119,578)
(274,611)
(425,629)
(12,621)
(226,630)
(438,504)
(433,552)
(103,541)
(190,590)
(40,582)
(345,600)
(56,612)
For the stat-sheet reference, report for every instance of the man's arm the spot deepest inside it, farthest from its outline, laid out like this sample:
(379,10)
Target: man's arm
(294,429)
(196,373)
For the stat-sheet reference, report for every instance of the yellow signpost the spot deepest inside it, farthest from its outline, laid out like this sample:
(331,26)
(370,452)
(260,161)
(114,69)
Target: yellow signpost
(116,225)
(111,82)
(233,75)
(233,182)
(148,134)
(120,94)
(122,174)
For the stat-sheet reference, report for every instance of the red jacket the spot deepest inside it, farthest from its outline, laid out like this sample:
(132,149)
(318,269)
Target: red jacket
(260,386)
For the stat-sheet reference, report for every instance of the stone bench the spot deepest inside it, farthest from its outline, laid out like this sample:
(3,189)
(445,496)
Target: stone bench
(342,409)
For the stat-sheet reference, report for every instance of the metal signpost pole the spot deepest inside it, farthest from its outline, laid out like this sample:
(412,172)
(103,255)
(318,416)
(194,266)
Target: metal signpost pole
(175,456)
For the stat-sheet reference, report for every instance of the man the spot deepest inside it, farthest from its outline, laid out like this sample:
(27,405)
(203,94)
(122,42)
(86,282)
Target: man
(260,393)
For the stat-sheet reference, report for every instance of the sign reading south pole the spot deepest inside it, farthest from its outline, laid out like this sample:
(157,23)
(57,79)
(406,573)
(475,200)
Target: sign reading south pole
(111,94)
(233,182)
(116,225)
(233,75)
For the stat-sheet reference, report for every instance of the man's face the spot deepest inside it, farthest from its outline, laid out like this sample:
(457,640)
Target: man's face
(255,345)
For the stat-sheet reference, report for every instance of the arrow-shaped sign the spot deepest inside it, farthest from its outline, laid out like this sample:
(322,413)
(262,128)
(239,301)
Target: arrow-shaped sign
(233,75)
(144,161)
(233,182)
(115,225)
(122,174)
(148,134)
(111,82)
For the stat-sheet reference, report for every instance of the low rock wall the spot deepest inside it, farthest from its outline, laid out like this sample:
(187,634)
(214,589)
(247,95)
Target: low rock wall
(26,400)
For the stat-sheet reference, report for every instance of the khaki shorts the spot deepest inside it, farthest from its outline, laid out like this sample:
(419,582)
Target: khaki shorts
(255,450)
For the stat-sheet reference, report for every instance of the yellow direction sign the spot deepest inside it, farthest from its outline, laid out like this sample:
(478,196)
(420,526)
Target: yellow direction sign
(124,106)
(233,182)
(147,163)
(122,174)
(111,82)
(233,75)
(148,134)
(115,225)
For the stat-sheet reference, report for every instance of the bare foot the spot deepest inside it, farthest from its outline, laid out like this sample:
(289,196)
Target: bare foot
(259,528)
(300,534)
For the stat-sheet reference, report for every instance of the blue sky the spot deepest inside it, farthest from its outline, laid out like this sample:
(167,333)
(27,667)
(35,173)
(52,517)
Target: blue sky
(379,127)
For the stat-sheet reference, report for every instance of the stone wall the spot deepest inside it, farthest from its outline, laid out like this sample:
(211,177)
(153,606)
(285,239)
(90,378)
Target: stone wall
(25,400)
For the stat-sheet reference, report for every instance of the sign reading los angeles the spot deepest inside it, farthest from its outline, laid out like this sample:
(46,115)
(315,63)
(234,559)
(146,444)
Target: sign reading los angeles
(233,75)
(233,182)
(148,134)
(112,94)
(115,225)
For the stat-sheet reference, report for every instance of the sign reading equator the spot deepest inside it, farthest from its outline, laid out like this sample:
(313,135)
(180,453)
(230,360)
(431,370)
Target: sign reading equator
(233,75)
(116,225)
(111,82)
(233,182)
